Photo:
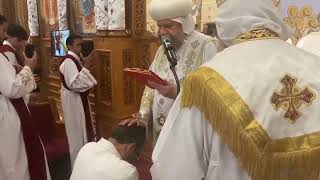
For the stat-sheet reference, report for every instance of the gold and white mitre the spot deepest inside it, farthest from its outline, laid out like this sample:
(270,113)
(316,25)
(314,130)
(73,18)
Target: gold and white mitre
(262,97)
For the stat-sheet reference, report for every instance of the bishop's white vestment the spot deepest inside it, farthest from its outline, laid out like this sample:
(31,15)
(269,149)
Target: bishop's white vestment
(310,43)
(196,50)
(252,112)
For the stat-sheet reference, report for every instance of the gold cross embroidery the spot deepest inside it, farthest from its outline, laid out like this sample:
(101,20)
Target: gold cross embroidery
(291,98)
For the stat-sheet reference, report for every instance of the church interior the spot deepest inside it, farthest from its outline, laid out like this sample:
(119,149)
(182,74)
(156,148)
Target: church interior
(123,35)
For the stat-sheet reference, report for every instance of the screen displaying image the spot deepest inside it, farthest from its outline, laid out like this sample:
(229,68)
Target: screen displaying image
(58,42)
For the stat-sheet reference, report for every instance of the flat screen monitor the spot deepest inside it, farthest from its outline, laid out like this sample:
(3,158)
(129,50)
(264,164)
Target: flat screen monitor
(58,42)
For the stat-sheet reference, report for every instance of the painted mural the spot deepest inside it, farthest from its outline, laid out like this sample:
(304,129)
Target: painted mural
(86,16)
(303,16)
(49,11)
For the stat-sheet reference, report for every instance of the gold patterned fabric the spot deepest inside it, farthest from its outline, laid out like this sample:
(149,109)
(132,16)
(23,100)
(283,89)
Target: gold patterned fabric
(256,34)
(264,158)
(146,104)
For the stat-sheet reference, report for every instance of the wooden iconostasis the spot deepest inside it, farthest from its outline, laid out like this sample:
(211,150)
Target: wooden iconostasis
(116,96)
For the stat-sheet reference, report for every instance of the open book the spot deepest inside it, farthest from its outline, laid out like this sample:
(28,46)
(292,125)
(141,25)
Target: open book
(144,76)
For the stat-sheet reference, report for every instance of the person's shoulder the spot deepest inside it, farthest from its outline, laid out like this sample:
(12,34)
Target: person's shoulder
(88,147)
(125,165)
(202,36)
(125,170)
(312,38)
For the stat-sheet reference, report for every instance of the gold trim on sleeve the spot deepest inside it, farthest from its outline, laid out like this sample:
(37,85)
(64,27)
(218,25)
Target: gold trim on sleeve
(292,158)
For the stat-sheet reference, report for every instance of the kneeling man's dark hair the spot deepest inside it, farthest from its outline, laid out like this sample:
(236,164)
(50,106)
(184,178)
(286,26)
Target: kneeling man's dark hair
(129,134)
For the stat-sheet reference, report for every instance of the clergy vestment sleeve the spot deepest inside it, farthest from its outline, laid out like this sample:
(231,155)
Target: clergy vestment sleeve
(147,100)
(14,85)
(146,105)
(183,150)
(75,80)
(210,50)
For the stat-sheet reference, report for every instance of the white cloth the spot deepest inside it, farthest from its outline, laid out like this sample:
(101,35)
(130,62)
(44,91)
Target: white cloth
(13,60)
(110,14)
(188,148)
(13,157)
(11,56)
(33,19)
(310,43)
(180,11)
(72,107)
(236,17)
(196,50)
(101,161)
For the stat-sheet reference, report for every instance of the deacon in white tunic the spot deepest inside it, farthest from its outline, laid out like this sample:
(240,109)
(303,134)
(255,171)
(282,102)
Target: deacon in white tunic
(108,159)
(252,112)
(11,53)
(192,48)
(13,156)
(76,82)
(310,43)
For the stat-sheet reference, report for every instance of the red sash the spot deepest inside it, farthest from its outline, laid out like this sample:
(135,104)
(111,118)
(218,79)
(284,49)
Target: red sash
(6,48)
(84,99)
(32,141)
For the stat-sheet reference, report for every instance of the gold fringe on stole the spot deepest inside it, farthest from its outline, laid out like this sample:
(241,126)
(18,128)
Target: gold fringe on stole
(295,158)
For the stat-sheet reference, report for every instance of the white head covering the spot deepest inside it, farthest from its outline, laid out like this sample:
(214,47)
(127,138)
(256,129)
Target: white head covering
(180,11)
(236,17)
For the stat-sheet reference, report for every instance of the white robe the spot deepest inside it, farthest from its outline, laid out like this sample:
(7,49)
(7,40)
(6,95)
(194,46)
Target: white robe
(101,161)
(310,43)
(13,157)
(188,148)
(73,113)
(13,60)
(196,50)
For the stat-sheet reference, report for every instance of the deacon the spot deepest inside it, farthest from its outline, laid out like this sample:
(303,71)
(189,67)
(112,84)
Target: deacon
(76,83)
(22,155)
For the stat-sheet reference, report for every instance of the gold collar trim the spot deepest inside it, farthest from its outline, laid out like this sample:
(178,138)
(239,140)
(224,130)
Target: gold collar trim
(256,34)
(294,158)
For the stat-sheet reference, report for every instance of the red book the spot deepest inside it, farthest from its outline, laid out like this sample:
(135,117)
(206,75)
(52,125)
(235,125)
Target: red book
(144,76)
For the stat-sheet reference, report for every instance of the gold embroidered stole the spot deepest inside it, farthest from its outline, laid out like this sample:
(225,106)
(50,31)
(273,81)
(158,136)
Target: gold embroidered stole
(256,34)
(292,158)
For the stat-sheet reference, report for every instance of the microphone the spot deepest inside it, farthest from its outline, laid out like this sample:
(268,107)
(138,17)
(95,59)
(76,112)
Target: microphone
(172,58)
(169,50)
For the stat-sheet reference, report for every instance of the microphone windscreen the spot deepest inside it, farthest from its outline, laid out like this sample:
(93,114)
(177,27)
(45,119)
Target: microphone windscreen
(166,41)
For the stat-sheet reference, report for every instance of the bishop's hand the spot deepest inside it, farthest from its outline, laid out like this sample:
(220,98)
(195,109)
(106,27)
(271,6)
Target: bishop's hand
(134,119)
(168,90)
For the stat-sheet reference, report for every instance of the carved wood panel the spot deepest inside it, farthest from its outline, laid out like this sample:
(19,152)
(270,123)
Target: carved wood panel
(53,64)
(146,61)
(140,17)
(128,62)
(104,77)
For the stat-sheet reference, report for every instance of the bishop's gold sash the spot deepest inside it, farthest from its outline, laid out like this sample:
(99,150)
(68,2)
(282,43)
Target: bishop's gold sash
(292,158)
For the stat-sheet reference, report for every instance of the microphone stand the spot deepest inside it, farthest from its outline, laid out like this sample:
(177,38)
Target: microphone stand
(172,58)
(173,69)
